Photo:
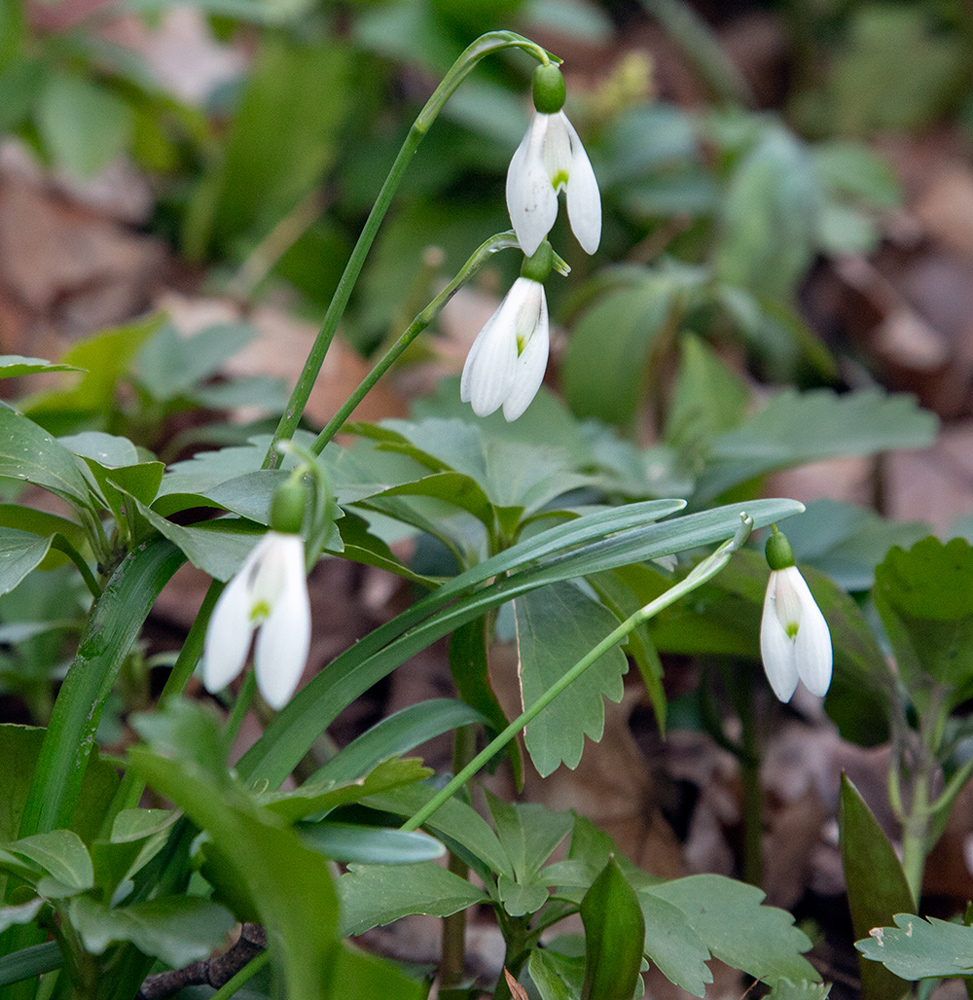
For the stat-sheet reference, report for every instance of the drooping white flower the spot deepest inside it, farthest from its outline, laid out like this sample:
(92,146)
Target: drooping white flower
(268,593)
(551,158)
(795,643)
(505,366)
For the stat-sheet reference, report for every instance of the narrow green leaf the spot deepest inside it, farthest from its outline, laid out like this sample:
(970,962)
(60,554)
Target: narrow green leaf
(114,626)
(351,842)
(28,963)
(614,936)
(396,734)
(877,886)
(373,895)
(920,949)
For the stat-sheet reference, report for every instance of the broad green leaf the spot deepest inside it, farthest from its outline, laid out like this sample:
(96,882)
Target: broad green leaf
(373,895)
(23,913)
(170,364)
(84,124)
(556,626)
(784,989)
(708,398)
(921,949)
(176,929)
(61,854)
(108,450)
(396,734)
(606,376)
(15,364)
(556,976)
(731,921)
(521,898)
(359,974)
(529,833)
(767,230)
(318,796)
(106,359)
(137,836)
(796,428)
(926,603)
(31,455)
(852,171)
(39,522)
(20,552)
(462,828)
(673,945)
(877,886)
(351,842)
(256,864)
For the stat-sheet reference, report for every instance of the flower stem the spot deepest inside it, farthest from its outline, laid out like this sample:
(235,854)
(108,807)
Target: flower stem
(501,241)
(493,41)
(231,986)
(704,571)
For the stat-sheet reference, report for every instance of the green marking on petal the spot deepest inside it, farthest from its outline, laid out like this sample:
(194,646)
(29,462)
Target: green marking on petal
(791,628)
(259,611)
(559,180)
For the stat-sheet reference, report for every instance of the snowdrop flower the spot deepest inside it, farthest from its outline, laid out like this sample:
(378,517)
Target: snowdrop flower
(795,643)
(506,364)
(551,158)
(269,594)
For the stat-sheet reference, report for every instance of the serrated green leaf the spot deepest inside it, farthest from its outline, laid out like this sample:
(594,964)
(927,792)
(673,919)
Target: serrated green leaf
(797,428)
(556,626)
(784,989)
(373,895)
(177,929)
(674,946)
(921,949)
(738,929)
(529,833)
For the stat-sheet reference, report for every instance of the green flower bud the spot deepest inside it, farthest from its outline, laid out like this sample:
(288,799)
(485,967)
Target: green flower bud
(780,555)
(538,266)
(547,87)
(287,508)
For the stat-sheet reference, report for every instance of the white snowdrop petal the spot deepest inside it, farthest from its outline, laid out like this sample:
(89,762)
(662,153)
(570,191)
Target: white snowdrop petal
(228,633)
(583,197)
(814,654)
(492,362)
(531,365)
(531,199)
(284,638)
(776,648)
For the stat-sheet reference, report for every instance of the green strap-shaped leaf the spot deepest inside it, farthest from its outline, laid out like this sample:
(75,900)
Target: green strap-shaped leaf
(115,624)
(614,936)
(877,886)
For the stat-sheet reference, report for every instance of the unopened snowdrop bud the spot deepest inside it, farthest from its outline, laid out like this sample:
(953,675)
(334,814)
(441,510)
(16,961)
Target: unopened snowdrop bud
(550,159)
(795,643)
(268,594)
(506,364)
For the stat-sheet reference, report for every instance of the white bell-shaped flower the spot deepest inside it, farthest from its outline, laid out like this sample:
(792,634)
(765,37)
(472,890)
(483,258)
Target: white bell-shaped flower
(268,593)
(795,643)
(506,364)
(551,158)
